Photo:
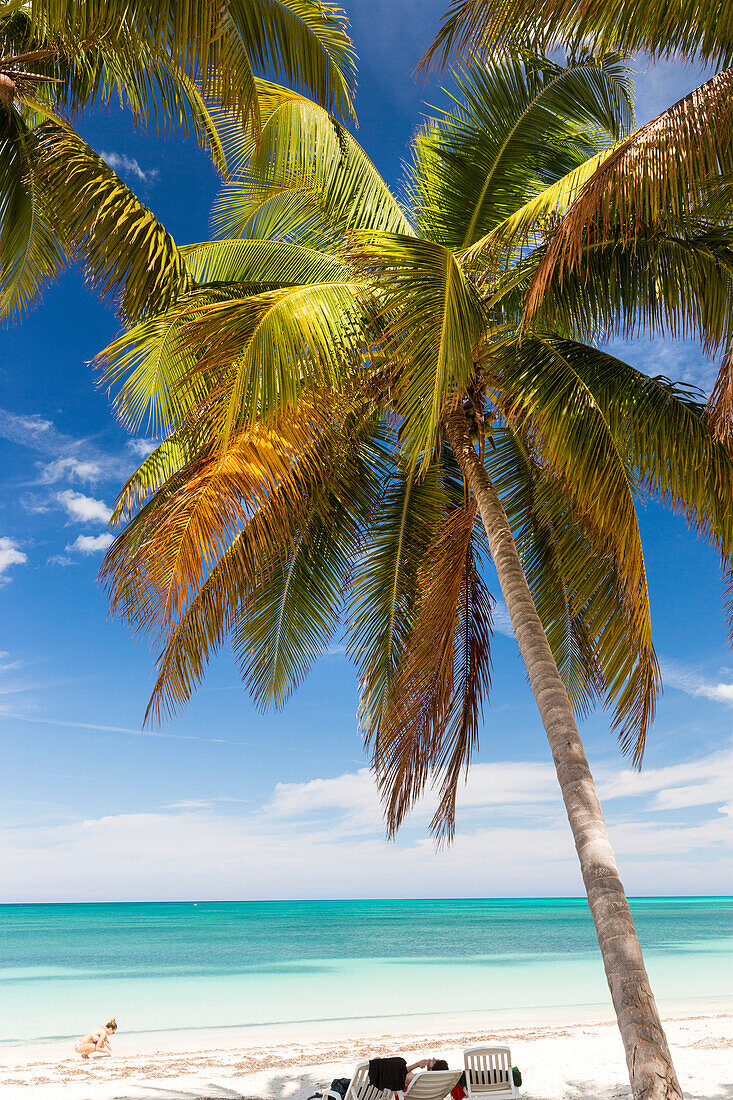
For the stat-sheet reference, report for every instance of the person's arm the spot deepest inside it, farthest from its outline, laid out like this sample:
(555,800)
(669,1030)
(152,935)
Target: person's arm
(422,1064)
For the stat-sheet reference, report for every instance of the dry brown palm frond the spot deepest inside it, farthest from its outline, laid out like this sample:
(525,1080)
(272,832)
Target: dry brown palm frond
(163,557)
(435,705)
(660,172)
(720,404)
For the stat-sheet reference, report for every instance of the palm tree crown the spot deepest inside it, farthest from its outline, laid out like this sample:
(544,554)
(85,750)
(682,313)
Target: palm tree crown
(334,312)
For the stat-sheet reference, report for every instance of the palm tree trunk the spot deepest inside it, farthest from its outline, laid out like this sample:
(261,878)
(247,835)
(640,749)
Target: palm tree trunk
(651,1072)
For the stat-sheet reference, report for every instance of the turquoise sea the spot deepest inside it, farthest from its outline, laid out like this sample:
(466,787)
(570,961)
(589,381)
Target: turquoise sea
(207,967)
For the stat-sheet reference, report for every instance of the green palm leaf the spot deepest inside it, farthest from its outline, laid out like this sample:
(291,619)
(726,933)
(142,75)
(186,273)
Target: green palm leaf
(302,150)
(124,248)
(515,128)
(660,28)
(384,584)
(32,252)
(432,319)
(661,172)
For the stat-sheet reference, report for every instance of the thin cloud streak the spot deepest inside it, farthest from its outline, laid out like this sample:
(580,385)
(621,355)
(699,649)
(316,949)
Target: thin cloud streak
(123,729)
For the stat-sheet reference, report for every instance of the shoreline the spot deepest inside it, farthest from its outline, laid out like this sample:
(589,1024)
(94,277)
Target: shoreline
(582,1059)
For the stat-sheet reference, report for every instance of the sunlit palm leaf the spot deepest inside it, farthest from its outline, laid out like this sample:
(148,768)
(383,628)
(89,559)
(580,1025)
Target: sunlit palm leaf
(661,27)
(432,319)
(278,341)
(287,622)
(163,557)
(32,252)
(514,128)
(125,250)
(660,172)
(252,574)
(220,44)
(303,149)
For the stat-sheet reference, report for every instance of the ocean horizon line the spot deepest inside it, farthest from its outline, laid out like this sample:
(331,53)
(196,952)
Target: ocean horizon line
(580,898)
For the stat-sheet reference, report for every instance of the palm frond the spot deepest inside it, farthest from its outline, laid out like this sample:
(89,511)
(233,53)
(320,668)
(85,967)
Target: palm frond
(125,250)
(271,346)
(252,574)
(660,28)
(539,386)
(164,555)
(260,261)
(528,225)
(677,284)
(32,252)
(304,41)
(660,172)
(286,623)
(384,585)
(577,590)
(431,317)
(434,705)
(303,150)
(219,44)
(514,128)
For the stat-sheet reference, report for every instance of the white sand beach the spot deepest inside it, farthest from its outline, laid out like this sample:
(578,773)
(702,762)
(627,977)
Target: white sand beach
(570,1061)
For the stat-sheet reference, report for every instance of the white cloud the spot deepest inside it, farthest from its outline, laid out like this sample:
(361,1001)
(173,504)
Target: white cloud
(325,837)
(502,620)
(91,544)
(60,559)
(64,457)
(10,554)
(74,469)
(83,508)
(141,448)
(680,360)
(692,683)
(122,164)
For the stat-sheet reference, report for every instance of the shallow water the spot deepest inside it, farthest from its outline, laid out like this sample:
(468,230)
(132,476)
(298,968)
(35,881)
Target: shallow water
(210,967)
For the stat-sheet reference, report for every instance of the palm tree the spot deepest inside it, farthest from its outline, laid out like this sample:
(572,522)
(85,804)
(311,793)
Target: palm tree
(58,199)
(323,389)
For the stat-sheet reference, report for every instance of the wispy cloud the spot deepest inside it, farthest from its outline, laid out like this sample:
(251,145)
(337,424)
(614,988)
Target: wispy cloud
(63,456)
(141,448)
(129,166)
(681,360)
(69,469)
(60,559)
(324,835)
(502,620)
(10,554)
(91,544)
(100,728)
(693,683)
(83,508)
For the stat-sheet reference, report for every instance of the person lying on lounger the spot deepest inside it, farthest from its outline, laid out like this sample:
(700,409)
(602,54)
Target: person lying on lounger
(97,1041)
(395,1075)
(424,1063)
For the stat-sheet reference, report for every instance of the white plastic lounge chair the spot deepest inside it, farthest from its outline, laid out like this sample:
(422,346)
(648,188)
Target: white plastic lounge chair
(432,1084)
(359,1087)
(489,1073)
(425,1085)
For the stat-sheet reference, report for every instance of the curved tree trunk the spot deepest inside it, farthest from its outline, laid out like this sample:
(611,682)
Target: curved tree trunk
(651,1072)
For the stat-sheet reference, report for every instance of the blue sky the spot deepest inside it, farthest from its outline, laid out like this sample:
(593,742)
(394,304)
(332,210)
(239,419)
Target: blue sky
(228,803)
